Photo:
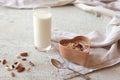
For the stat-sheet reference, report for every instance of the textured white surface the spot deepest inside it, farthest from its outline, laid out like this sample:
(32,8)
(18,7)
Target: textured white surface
(16,35)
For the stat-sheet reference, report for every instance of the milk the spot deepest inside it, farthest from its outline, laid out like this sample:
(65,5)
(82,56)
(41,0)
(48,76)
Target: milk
(42,30)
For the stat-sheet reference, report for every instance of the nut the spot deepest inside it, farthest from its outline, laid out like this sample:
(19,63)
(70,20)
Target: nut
(13,66)
(18,65)
(4,61)
(15,63)
(13,74)
(24,54)
(17,56)
(24,59)
(8,68)
(20,69)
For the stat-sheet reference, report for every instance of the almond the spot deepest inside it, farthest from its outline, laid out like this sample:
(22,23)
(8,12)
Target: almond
(13,74)
(18,65)
(20,69)
(4,61)
(24,54)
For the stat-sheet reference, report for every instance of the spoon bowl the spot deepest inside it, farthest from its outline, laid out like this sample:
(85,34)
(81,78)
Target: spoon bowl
(59,65)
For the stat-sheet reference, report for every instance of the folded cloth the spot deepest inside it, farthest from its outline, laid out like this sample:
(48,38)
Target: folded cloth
(34,3)
(106,7)
(113,4)
(104,51)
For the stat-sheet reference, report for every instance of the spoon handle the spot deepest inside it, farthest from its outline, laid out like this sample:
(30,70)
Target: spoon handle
(82,75)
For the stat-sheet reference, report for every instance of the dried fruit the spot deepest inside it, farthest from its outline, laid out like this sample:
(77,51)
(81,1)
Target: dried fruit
(32,64)
(4,61)
(13,74)
(24,54)
(20,69)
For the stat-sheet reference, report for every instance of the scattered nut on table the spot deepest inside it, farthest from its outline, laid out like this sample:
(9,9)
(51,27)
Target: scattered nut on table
(24,54)
(24,59)
(20,69)
(8,68)
(18,66)
(4,61)
(13,74)
(18,56)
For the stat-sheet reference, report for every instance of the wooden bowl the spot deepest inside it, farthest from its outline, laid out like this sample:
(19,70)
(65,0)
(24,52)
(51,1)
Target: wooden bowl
(75,56)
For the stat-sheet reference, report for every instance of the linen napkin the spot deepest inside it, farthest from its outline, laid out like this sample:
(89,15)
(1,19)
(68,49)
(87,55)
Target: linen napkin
(33,3)
(104,51)
(100,7)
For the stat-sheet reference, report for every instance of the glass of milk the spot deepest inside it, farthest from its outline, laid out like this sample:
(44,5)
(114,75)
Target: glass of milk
(42,28)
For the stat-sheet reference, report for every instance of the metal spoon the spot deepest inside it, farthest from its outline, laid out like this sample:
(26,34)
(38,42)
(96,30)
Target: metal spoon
(59,65)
